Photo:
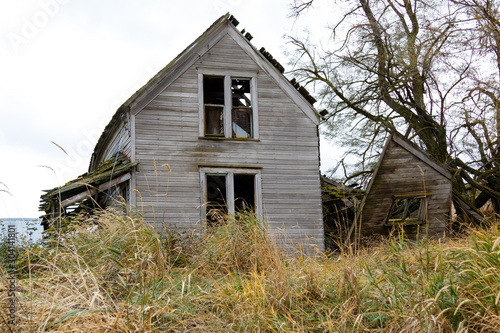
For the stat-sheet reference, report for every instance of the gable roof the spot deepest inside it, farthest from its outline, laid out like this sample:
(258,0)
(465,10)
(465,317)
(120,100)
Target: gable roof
(412,149)
(226,23)
(420,154)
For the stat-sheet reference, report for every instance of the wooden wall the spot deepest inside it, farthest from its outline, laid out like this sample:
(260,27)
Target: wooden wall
(167,130)
(119,140)
(400,172)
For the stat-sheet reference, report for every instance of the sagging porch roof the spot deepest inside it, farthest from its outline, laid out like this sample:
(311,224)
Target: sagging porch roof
(109,173)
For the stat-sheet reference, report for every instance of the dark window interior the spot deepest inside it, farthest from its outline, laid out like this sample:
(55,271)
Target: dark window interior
(241,112)
(407,210)
(213,100)
(244,192)
(216,198)
(213,90)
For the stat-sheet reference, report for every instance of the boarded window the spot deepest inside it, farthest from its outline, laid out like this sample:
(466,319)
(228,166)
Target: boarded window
(213,103)
(241,112)
(216,198)
(408,210)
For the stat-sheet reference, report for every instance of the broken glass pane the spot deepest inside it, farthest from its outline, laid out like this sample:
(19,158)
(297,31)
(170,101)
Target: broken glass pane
(241,112)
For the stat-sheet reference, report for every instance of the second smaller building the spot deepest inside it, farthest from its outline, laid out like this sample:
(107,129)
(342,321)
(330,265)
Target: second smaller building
(408,191)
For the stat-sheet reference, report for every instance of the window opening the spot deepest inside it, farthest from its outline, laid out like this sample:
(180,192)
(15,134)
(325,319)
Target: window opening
(241,112)
(408,210)
(213,103)
(216,206)
(227,106)
(228,191)
(244,193)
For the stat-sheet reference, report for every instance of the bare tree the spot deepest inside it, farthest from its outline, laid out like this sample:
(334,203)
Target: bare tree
(412,66)
(480,126)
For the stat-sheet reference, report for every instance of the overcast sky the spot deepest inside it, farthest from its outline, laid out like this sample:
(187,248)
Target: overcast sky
(67,65)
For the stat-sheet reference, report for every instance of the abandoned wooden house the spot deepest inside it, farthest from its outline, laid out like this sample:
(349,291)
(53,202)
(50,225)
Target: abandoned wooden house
(409,191)
(219,127)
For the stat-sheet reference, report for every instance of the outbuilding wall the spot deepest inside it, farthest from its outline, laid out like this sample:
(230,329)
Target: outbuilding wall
(401,172)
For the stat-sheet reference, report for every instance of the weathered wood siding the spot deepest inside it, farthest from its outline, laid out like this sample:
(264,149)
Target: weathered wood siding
(167,132)
(119,141)
(400,173)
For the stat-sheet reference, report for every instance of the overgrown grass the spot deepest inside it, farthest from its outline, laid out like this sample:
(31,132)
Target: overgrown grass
(121,276)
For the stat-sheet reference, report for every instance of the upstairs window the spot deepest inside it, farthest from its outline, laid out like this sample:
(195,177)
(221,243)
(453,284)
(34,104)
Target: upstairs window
(241,112)
(229,106)
(408,210)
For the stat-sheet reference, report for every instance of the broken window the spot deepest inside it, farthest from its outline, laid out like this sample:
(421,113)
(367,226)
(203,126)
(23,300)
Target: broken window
(213,103)
(228,106)
(216,207)
(408,210)
(241,113)
(228,191)
(244,192)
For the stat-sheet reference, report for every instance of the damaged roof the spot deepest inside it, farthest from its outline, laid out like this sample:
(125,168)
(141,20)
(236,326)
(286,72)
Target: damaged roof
(167,70)
(106,172)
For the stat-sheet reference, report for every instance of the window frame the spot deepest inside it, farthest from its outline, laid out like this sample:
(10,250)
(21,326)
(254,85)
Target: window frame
(229,173)
(227,113)
(407,221)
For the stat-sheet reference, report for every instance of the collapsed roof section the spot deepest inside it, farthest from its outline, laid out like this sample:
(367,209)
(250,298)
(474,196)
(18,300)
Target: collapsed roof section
(88,186)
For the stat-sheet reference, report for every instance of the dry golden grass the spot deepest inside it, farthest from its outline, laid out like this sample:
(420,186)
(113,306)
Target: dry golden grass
(125,277)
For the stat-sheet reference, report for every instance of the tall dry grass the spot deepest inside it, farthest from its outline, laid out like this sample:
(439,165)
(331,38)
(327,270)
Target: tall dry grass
(122,276)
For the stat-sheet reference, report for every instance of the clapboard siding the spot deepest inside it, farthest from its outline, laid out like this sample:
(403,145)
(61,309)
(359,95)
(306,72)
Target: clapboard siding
(400,172)
(286,153)
(227,54)
(119,141)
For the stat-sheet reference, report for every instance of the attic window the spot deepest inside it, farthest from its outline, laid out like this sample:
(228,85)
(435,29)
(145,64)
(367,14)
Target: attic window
(408,209)
(241,113)
(229,106)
